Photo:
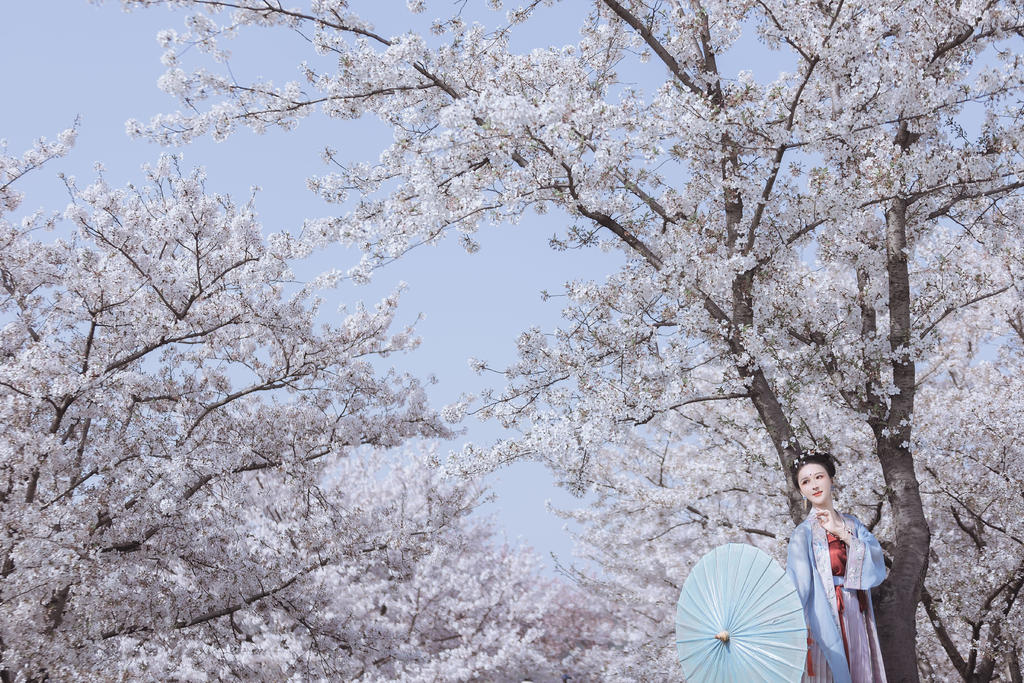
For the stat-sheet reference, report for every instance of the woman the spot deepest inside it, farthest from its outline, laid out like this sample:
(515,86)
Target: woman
(834,561)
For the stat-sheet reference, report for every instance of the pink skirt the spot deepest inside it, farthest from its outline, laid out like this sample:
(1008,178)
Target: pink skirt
(865,656)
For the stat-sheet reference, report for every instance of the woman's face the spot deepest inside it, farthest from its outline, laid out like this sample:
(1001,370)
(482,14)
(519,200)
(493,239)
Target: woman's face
(815,484)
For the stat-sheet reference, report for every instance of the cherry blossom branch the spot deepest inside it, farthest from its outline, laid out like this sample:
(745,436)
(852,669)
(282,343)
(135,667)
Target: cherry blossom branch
(1012,586)
(780,151)
(620,231)
(980,518)
(961,38)
(271,9)
(732,525)
(1017,325)
(786,34)
(831,363)
(291,105)
(249,600)
(165,341)
(223,611)
(11,287)
(268,385)
(202,481)
(942,633)
(952,308)
(1003,189)
(656,46)
(972,533)
(698,399)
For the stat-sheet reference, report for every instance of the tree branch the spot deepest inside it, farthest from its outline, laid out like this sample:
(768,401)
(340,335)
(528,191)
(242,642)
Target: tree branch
(655,45)
(951,309)
(942,634)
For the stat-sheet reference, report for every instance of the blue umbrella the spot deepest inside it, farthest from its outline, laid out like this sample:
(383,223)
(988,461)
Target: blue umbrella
(739,619)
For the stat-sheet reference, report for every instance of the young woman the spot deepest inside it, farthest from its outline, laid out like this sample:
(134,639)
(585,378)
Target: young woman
(834,561)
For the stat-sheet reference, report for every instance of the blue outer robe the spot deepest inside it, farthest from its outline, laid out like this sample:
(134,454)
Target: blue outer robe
(809,567)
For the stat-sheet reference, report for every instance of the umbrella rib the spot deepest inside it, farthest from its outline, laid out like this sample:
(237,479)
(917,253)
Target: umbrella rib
(764,611)
(747,596)
(700,602)
(739,588)
(765,659)
(738,596)
(707,653)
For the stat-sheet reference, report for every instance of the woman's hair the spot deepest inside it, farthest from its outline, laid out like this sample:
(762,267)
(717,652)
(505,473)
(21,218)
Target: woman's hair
(813,458)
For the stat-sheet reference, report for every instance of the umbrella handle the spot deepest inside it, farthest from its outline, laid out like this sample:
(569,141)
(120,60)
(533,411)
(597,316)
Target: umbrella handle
(722,636)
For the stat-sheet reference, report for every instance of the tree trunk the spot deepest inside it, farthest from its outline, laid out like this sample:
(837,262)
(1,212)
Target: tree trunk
(986,669)
(900,593)
(763,397)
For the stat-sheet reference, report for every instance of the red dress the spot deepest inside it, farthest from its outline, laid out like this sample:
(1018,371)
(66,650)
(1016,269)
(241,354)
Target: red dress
(837,553)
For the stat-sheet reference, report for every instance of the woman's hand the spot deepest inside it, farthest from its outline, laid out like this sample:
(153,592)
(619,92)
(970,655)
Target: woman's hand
(833,523)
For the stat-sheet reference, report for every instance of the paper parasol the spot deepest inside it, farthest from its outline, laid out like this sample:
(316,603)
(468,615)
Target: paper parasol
(739,620)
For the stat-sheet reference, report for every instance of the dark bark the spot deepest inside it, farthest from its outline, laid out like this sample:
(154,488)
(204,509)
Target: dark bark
(943,634)
(900,594)
(985,670)
(1008,591)
(765,401)
(6,676)
(762,395)
(55,608)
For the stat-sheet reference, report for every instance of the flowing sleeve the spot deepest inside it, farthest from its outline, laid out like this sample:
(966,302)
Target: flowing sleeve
(865,564)
(798,567)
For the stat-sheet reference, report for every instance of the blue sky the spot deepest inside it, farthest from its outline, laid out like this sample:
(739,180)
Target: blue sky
(69,59)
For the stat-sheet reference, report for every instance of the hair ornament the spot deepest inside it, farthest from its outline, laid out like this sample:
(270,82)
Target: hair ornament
(823,458)
(812,456)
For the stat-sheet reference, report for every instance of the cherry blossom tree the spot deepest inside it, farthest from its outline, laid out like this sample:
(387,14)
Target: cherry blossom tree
(800,251)
(970,420)
(196,478)
(415,590)
(658,506)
